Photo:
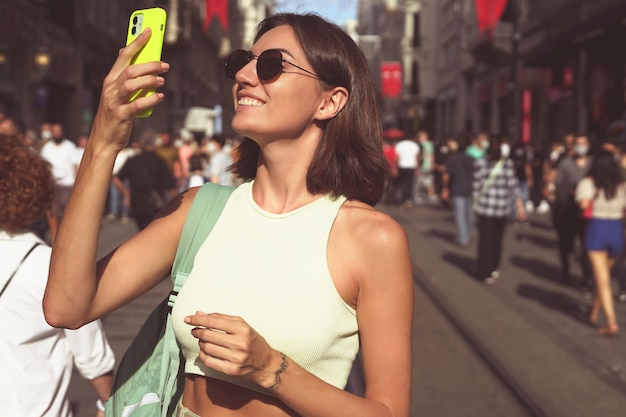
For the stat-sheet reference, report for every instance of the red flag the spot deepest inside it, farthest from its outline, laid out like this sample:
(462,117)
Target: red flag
(391,79)
(219,8)
(489,13)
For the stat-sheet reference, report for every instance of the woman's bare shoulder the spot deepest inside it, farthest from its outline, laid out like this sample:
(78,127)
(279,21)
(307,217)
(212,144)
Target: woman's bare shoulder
(369,228)
(368,250)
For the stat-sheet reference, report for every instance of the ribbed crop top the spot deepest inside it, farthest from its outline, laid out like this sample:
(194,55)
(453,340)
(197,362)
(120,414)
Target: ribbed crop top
(272,271)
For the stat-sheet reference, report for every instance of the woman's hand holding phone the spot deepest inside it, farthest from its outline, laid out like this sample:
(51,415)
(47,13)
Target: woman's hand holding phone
(116,112)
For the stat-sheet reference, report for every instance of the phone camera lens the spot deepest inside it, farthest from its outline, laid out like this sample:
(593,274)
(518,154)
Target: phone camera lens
(135,20)
(133,31)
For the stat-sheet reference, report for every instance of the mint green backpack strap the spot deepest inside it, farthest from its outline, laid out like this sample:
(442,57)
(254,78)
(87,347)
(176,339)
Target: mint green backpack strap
(203,214)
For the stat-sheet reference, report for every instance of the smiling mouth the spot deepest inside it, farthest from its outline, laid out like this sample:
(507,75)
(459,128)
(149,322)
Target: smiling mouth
(247,101)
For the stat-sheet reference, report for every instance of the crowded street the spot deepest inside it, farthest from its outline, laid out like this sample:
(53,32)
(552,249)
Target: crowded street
(523,347)
(292,208)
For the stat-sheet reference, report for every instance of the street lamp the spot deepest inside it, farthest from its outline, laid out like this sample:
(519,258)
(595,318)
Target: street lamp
(42,61)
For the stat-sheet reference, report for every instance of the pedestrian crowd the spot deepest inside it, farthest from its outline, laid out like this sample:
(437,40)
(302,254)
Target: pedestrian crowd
(151,170)
(157,166)
(489,182)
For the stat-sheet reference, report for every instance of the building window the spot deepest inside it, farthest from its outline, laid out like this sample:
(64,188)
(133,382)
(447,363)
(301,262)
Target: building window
(415,79)
(535,7)
(61,12)
(417,41)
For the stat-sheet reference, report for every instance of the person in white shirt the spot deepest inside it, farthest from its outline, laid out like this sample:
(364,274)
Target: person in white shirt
(408,152)
(61,153)
(220,161)
(36,359)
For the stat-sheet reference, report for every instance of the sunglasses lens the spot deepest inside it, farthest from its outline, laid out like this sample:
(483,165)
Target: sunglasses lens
(269,65)
(236,61)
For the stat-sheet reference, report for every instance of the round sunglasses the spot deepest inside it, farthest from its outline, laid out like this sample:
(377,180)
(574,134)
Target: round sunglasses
(269,64)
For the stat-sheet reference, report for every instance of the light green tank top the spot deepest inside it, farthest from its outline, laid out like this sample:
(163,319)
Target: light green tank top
(272,271)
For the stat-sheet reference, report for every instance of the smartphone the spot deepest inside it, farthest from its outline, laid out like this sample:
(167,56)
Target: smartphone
(155,18)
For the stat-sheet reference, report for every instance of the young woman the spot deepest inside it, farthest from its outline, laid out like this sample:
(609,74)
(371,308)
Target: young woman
(300,269)
(604,190)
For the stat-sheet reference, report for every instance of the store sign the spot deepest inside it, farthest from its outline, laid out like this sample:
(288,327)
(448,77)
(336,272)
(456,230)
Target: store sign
(391,79)
(527,107)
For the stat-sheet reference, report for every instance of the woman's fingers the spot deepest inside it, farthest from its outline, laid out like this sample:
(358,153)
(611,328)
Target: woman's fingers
(124,79)
(116,112)
(228,344)
(132,86)
(127,53)
(115,103)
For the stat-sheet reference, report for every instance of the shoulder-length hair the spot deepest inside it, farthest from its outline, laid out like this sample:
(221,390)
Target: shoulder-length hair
(349,160)
(605,173)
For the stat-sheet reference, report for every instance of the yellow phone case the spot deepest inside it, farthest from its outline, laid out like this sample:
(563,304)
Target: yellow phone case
(154,18)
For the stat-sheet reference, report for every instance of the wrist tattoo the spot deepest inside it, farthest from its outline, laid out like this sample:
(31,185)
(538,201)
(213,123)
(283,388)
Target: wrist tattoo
(283,366)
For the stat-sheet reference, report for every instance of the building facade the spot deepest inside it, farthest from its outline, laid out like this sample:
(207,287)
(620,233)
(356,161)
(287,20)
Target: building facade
(55,55)
(544,70)
(577,45)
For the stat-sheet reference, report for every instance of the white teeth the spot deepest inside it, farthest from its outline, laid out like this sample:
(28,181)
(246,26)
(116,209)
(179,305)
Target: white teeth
(247,101)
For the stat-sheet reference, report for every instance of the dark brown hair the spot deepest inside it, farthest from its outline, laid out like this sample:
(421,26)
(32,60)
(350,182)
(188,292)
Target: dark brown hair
(26,185)
(605,173)
(349,160)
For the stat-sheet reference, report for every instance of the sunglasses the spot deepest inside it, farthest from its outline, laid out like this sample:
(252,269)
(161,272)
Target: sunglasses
(269,64)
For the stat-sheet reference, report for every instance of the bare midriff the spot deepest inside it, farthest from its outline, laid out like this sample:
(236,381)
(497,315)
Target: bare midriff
(214,398)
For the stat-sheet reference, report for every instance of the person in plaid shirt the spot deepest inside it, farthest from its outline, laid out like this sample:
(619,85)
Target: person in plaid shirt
(495,188)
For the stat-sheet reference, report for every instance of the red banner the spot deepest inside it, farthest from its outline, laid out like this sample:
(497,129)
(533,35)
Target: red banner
(217,8)
(489,13)
(391,79)
(527,108)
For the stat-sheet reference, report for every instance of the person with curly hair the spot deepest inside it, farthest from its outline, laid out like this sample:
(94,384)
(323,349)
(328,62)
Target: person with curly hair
(37,360)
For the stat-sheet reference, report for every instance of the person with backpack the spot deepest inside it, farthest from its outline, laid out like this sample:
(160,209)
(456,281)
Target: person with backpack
(299,271)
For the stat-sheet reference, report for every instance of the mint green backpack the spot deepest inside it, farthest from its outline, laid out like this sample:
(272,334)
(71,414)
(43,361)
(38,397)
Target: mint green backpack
(150,377)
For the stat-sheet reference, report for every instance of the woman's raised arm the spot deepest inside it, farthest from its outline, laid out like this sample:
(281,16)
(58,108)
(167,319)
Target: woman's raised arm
(77,291)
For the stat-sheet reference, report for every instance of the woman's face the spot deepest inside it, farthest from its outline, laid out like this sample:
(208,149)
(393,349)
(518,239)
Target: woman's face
(283,108)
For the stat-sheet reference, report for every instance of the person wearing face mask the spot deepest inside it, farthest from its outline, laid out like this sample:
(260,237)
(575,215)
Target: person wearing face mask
(495,189)
(45,132)
(479,145)
(567,218)
(62,155)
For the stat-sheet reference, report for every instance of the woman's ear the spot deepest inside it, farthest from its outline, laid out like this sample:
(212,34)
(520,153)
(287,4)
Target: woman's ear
(333,101)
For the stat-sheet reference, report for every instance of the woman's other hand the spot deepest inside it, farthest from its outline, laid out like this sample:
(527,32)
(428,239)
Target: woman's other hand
(229,345)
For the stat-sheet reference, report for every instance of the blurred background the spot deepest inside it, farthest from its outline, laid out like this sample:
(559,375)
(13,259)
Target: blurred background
(529,69)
